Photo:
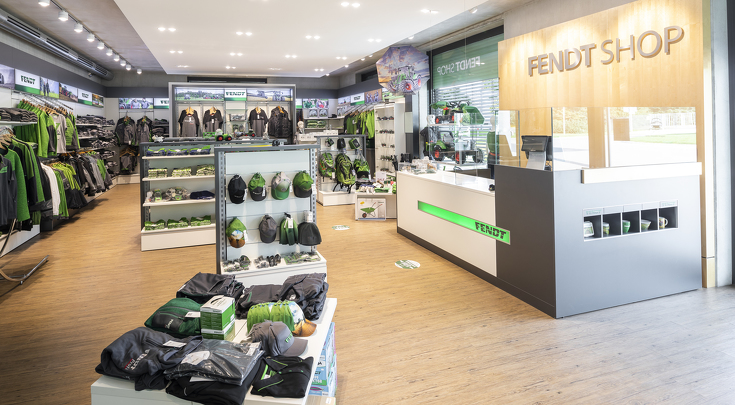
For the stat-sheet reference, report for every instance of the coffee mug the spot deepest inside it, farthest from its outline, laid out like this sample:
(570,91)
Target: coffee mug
(626,226)
(645,224)
(589,230)
(606,228)
(662,222)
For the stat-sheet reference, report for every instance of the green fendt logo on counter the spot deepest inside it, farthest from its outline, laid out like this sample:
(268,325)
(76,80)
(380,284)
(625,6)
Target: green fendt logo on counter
(494,232)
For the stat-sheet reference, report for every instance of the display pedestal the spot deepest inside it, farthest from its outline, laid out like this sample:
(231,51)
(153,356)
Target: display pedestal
(389,199)
(329,198)
(174,238)
(115,391)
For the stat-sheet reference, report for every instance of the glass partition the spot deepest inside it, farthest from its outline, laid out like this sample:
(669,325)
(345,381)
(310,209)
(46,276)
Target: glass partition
(586,137)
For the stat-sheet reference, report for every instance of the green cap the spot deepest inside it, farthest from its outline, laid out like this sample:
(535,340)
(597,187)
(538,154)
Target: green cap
(236,233)
(280,186)
(302,184)
(256,186)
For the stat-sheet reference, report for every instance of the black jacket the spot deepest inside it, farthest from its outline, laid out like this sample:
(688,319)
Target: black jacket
(183,115)
(255,116)
(143,129)
(203,286)
(279,124)
(284,377)
(142,355)
(212,122)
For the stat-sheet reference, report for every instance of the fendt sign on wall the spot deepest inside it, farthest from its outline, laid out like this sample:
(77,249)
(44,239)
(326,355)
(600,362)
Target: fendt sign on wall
(563,60)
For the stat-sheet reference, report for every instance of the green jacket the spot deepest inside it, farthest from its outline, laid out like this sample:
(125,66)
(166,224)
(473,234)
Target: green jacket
(171,318)
(20,195)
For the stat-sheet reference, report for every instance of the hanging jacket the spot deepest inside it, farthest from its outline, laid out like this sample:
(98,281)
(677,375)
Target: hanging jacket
(183,118)
(125,130)
(279,124)
(212,122)
(143,130)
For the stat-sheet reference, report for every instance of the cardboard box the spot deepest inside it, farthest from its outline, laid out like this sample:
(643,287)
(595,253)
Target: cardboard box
(228,333)
(328,350)
(325,391)
(320,400)
(217,313)
(323,374)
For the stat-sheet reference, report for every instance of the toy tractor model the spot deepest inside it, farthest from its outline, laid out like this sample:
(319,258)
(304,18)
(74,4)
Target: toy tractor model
(442,145)
(472,115)
(405,81)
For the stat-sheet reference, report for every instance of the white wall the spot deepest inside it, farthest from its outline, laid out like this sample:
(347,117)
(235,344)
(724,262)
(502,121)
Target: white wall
(545,13)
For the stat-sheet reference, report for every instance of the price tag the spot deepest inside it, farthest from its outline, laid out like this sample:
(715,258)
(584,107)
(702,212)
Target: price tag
(171,343)
(313,187)
(192,314)
(264,191)
(290,188)
(290,223)
(333,176)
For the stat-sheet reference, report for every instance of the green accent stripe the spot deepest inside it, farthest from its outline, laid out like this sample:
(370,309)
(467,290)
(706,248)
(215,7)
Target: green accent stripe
(270,385)
(27,89)
(494,232)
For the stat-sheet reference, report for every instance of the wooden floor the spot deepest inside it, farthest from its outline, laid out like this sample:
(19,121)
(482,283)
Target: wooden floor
(431,335)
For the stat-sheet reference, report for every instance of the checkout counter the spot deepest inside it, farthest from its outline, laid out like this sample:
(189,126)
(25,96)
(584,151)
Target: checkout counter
(577,221)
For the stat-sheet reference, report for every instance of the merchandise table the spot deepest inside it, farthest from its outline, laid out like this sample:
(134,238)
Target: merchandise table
(115,391)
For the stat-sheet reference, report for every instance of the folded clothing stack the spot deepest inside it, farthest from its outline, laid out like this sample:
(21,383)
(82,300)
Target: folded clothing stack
(201,221)
(17,115)
(155,226)
(308,291)
(183,172)
(157,173)
(174,224)
(205,170)
(92,119)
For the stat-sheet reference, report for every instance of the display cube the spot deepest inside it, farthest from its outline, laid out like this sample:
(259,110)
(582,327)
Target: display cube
(370,208)
(328,390)
(320,400)
(218,313)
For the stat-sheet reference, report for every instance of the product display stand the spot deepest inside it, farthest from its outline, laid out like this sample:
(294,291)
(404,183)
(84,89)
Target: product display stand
(390,140)
(268,161)
(116,391)
(177,237)
(326,196)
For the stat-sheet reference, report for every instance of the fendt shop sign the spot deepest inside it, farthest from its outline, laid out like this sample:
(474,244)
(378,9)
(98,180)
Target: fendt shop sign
(562,61)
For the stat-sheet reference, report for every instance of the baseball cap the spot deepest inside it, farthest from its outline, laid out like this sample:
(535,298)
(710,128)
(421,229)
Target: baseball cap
(280,186)
(277,340)
(309,234)
(268,229)
(302,184)
(236,188)
(287,312)
(236,233)
(257,187)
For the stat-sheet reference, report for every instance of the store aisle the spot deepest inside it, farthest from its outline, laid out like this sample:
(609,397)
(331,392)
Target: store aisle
(431,335)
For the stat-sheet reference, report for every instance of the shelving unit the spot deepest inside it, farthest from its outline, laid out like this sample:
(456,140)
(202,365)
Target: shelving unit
(177,178)
(326,195)
(268,161)
(182,202)
(636,214)
(388,145)
(16,123)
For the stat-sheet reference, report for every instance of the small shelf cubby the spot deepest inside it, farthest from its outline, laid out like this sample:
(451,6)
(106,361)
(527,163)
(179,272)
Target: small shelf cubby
(615,223)
(635,221)
(671,215)
(650,215)
(595,217)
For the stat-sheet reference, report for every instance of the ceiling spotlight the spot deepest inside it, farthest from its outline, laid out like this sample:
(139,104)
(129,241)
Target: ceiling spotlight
(172,51)
(128,67)
(288,56)
(63,15)
(355,5)
(347,65)
(239,54)
(181,51)
(378,40)
(140,71)
(316,37)
(274,68)
(410,37)
(344,58)
(183,66)
(123,63)
(162,29)
(227,67)
(434,12)
(362,59)
(425,10)
(116,58)
(239,33)
(78,28)
(43,3)
(248,33)
(327,74)
(90,37)
(109,52)
(232,53)
(172,29)
(100,45)
(316,70)
(371,40)
(233,67)
(344,4)
(293,56)
(473,11)
(338,58)
(308,37)
(321,70)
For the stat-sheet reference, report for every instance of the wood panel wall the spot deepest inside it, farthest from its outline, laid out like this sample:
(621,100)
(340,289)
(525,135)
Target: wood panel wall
(676,79)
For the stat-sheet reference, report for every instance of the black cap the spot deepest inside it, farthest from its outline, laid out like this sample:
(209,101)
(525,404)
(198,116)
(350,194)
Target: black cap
(237,188)
(268,229)
(309,234)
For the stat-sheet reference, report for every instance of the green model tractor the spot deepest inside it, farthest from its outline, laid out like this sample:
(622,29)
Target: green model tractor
(471,115)
(442,145)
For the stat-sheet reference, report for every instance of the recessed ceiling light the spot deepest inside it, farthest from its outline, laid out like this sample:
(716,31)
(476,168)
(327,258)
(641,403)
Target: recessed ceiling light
(362,59)
(78,28)
(344,58)
(239,54)
(181,51)
(338,57)
(321,70)
(288,56)
(344,4)
(183,66)
(248,33)
(371,40)
(233,67)
(274,68)
(239,33)
(316,70)
(424,10)
(116,58)
(347,65)
(109,52)
(172,51)
(327,74)
(123,63)
(140,71)
(434,12)
(232,53)
(227,67)
(378,40)
(90,37)
(355,5)
(128,67)
(316,37)
(162,29)
(100,45)
(63,15)
(172,29)
(370,56)
(308,37)
(473,11)
(293,56)
(410,37)
(43,3)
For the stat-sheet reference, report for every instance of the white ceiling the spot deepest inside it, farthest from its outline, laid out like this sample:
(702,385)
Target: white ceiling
(206,32)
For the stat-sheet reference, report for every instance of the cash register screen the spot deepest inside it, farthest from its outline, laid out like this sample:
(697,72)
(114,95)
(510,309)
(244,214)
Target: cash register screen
(536,143)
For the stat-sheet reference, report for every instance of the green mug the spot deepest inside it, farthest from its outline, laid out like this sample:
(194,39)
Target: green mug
(645,224)
(626,226)
(606,228)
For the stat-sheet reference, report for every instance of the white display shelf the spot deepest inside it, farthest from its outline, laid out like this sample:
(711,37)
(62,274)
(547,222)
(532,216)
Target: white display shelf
(182,202)
(278,274)
(116,391)
(174,238)
(177,178)
(330,198)
(178,157)
(18,238)
(16,123)
(174,230)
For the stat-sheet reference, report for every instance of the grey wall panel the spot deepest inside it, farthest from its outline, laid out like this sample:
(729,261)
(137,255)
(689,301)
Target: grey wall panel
(524,206)
(18,59)
(316,93)
(132,92)
(606,272)
(362,87)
